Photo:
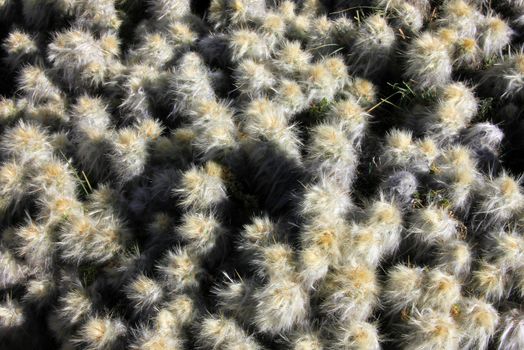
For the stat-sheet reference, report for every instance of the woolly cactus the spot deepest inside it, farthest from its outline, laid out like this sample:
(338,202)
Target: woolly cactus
(261,174)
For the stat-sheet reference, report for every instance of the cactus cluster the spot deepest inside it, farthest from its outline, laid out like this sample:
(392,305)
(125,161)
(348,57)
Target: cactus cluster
(262,174)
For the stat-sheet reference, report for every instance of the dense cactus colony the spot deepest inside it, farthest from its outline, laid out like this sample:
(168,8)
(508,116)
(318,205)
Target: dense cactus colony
(261,174)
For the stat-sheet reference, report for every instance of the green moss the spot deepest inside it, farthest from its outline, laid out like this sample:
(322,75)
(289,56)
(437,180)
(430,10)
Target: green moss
(408,95)
(236,191)
(486,106)
(319,110)
(87,274)
(438,197)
